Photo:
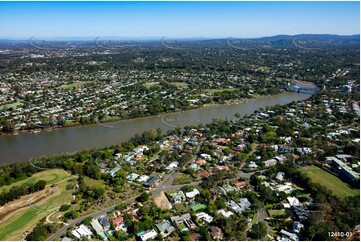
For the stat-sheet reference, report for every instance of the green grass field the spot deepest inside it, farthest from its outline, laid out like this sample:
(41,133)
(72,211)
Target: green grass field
(92,182)
(219,90)
(338,187)
(274,212)
(11,105)
(150,84)
(181,208)
(180,84)
(17,222)
(75,84)
(26,219)
(50,176)
(198,207)
(183,179)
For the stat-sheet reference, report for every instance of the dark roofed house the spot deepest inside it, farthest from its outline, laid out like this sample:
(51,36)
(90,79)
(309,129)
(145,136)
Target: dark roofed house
(216,233)
(105,222)
(165,228)
(153,181)
(301,212)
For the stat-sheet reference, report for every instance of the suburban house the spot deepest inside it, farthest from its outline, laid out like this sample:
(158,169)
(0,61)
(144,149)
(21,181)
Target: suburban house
(82,231)
(178,197)
(205,217)
(270,162)
(216,233)
(150,234)
(185,218)
(117,222)
(96,226)
(105,223)
(165,228)
(152,182)
(224,213)
(191,195)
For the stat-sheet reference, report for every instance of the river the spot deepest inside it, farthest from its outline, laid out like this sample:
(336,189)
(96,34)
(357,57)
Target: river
(18,148)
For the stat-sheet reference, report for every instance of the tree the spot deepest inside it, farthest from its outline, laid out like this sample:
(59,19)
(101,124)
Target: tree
(220,203)
(144,197)
(64,207)
(87,220)
(259,230)
(71,215)
(92,170)
(121,236)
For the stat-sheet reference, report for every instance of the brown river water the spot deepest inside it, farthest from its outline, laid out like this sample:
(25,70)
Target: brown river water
(22,147)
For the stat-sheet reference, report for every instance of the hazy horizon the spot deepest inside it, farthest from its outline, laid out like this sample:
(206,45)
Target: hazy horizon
(211,20)
(150,38)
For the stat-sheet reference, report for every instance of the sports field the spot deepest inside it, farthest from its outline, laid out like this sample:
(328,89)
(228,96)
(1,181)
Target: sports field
(50,176)
(219,90)
(17,222)
(330,181)
(74,85)
(12,105)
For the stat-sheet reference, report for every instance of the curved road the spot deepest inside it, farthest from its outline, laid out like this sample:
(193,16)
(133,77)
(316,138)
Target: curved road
(109,209)
(164,186)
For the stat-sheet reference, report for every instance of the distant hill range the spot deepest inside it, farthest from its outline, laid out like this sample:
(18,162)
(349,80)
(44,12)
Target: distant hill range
(303,40)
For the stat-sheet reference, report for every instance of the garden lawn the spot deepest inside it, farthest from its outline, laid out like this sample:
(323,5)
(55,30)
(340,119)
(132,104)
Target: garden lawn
(183,179)
(198,207)
(272,213)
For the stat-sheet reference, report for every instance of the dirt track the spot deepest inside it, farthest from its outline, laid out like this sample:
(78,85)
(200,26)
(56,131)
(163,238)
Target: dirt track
(25,201)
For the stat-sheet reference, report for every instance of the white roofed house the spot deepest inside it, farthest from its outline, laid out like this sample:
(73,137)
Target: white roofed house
(293,201)
(270,162)
(206,157)
(244,204)
(253,165)
(114,171)
(234,206)
(280,176)
(132,177)
(192,194)
(96,226)
(82,231)
(205,217)
(292,236)
(177,197)
(171,166)
(150,234)
(224,213)
(143,178)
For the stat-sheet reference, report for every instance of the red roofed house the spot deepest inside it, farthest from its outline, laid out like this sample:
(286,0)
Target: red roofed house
(200,161)
(240,184)
(222,168)
(117,222)
(202,173)
(221,140)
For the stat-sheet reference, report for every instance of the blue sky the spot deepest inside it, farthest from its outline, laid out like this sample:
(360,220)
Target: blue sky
(176,19)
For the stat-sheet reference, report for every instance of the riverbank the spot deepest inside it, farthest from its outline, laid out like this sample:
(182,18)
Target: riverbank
(22,147)
(119,119)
